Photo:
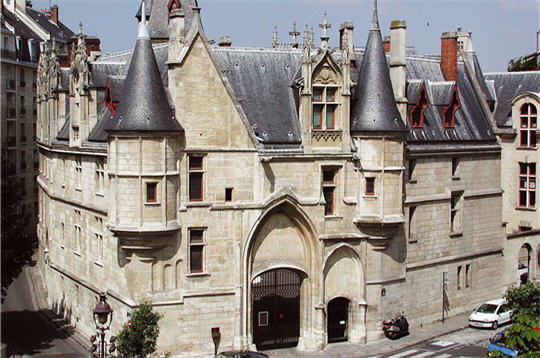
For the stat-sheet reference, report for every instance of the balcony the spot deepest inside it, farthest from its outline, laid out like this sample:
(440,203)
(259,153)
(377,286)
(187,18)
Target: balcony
(11,112)
(10,85)
(8,54)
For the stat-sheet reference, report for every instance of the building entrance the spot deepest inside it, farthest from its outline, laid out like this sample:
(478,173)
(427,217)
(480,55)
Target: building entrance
(276,309)
(337,319)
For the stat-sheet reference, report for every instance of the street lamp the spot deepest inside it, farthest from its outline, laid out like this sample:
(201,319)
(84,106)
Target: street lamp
(102,318)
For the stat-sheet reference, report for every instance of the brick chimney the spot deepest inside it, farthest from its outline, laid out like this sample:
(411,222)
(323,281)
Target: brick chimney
(449,55)
(54,14)
(386,43)
(225,41)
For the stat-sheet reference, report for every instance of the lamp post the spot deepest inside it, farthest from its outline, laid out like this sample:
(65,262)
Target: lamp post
(102,318)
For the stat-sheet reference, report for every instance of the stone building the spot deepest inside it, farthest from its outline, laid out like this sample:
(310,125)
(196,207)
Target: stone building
(296,195)
(24,32)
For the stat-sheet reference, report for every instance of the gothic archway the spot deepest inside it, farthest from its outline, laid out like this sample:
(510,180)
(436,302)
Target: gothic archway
(524,264)
(337,319)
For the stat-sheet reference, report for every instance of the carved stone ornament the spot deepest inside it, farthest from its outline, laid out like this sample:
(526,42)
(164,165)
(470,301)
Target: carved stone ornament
(326,75)
(79,74)
(53,72)
(43,72)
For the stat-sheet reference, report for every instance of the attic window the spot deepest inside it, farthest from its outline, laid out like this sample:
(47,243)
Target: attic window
(527,125)
(173,5)
(449,114)
(324,106)
(109,100)
(417,111)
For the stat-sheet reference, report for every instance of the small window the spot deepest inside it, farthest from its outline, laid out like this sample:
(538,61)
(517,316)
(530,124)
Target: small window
(329,187)
(195,178)
(412,223)
(527,185)
(449,114)
(455,163)
(151,192)
(370,186)
(228,194)
(196,250)
(459,277)
(455,212)
(412,166)
(417,111)
(468,275)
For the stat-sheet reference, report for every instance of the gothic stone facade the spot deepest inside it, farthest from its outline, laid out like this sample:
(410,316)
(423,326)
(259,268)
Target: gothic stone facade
(280,171)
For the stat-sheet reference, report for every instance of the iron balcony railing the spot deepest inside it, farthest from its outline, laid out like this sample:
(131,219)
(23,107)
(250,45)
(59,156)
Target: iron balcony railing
(8,54)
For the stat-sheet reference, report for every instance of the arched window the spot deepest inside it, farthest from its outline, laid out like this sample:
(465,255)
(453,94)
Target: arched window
(527,125)
(417,111)
(173,4)
(449,114)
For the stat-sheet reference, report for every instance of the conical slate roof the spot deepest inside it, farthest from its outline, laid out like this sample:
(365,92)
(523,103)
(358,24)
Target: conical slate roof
(143,105)
(375,107)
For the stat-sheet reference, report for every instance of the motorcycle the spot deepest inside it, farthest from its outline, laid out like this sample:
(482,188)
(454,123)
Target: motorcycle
(396,327)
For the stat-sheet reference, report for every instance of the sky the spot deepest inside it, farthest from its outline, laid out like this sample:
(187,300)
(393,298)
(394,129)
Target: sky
(501,29)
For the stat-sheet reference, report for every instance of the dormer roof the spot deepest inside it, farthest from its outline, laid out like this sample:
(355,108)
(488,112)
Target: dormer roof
(375,108)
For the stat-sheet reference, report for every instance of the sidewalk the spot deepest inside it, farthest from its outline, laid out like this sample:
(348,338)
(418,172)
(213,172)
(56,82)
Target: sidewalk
(418,335)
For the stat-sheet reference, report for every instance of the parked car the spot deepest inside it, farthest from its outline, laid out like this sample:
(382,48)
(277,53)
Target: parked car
(498,343)
(241,354)
(491,314)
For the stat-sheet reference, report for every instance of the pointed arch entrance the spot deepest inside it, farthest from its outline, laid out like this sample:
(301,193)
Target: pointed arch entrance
(279,271)
(524,264)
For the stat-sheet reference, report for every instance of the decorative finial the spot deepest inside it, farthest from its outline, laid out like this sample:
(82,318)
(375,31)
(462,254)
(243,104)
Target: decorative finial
(375,21)
(80,28)
(275,42)
(294,33)
(143,30)
(306,36)
(312,40)
(325,26)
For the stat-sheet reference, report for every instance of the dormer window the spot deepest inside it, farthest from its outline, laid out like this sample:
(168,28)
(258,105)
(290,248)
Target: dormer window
(109,100)
(324,106)
(449,114)
(173,5)
(417,111)
(527,125)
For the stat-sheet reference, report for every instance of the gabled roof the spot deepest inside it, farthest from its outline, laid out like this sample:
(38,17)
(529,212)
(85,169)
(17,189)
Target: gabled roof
(374,107)
(59,31)
(509,85)
(143,105)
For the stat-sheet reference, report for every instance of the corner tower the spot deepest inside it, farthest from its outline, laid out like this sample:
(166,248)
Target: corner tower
(144,146)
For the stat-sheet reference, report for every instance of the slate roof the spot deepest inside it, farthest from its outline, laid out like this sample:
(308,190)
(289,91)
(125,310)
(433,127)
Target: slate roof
(471,123)
(60,31)
(374,106)
(507,86)
(262,83)
(64,132)
(22,30)
(158,15)
(143,105)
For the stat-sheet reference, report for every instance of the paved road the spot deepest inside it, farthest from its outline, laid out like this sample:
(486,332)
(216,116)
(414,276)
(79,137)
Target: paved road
(27,332)
(468,343)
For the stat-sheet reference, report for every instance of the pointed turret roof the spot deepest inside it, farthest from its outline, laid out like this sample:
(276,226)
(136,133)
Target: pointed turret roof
(375,107)
(143,105)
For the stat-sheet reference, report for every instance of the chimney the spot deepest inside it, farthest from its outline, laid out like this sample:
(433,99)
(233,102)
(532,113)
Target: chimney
(225,41)
(346,33)
(386,43)
(398,65)
(538,41)
(449,55)
(54,14)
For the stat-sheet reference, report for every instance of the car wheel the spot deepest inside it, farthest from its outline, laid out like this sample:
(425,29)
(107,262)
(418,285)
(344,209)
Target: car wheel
(495,325)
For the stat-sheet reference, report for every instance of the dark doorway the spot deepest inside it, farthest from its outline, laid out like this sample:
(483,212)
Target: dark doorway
(337,319)
(276,309)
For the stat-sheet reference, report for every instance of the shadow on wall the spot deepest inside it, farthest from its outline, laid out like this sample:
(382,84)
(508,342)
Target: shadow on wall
(27,332)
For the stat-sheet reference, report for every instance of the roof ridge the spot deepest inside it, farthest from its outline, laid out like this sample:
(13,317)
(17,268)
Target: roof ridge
(511,73)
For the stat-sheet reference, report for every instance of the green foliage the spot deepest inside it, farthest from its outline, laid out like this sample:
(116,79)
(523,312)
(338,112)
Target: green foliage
(496,354)
(140,338)
(19,241)
(525,299)
(523,335)
(523,64)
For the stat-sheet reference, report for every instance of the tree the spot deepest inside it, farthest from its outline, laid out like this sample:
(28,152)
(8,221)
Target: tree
(138,338)
(18,240)
(525,298)
(523,335)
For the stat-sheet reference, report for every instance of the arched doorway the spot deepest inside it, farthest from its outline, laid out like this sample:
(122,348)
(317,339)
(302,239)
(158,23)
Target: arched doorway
(337,320)
(276,309)
(524,262)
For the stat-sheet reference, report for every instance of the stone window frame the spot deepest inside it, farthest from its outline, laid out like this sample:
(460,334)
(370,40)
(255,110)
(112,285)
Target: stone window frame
(456,213)
(324,102)
(412,228)
(200,245)
(411,166)
(449,112)
(100,177)
(527,175)
(328,188)
(98,234)
(370,186)
(458,277)
(196,172)
(527,129)
(78,173)
(78,232)
(148,185)
(455,167)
